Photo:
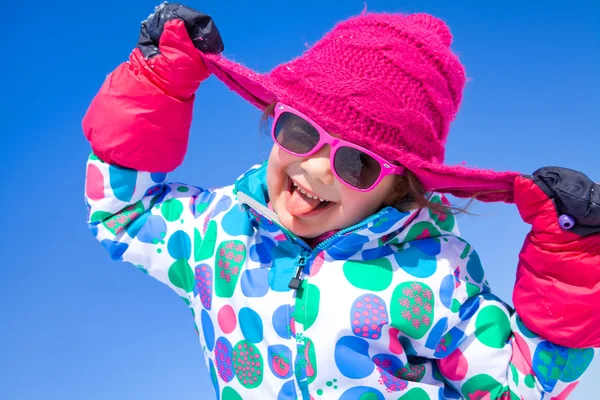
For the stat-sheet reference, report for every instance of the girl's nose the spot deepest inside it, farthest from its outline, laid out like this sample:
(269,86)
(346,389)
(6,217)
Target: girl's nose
(318,166)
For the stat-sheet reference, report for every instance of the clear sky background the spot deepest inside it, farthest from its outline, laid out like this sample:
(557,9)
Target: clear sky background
(76,325)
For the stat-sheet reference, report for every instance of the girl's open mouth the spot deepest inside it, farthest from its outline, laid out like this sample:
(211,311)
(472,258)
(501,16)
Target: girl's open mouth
(301,202)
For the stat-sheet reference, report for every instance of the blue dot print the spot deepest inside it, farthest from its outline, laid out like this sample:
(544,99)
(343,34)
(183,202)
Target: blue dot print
(447,290)
(416,263)
(255,282)
(474,267)
(115,249)
(237,223)
(158,177)
(251,325)
(180,245)
(287,391)
(352,357)
(431,246)
(153,230)
(122,182)
(282,318)
(262,251)
(208,330)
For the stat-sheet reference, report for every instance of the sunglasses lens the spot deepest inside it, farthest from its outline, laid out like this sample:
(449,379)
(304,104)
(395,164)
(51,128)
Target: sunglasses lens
(356,168)
(295,134)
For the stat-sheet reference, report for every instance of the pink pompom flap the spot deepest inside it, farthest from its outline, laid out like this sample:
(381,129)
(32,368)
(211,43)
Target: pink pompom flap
(434,25)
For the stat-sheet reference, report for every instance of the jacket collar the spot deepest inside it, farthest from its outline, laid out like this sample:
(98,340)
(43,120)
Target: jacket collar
(387,226)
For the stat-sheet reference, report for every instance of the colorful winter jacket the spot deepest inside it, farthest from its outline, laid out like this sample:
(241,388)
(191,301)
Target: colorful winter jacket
(395,307)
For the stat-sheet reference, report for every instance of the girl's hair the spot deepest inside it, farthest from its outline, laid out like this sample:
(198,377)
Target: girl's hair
(409,193)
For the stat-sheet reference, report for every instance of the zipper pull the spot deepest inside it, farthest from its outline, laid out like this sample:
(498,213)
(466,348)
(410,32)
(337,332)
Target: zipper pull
(296,281)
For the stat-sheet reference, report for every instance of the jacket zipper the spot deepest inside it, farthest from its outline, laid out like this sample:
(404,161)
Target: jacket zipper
(301,263)
(304,261)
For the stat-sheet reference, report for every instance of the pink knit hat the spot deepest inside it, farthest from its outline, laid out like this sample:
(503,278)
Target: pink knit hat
(388,82)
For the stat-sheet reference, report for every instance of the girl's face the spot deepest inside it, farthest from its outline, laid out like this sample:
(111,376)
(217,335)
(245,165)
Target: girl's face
(290,179)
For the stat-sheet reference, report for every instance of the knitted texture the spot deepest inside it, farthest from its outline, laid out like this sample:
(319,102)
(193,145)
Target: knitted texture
(388,82)
(380,79)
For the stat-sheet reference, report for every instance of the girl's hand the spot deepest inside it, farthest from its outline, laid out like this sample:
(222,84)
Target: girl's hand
(557,293)
(168,45)
(141,116)
(568,200)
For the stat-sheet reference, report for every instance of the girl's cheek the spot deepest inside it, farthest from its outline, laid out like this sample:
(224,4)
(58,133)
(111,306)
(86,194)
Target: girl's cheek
(280,157)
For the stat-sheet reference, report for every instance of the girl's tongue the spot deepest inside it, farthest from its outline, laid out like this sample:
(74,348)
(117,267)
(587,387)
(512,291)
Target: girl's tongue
(299,204)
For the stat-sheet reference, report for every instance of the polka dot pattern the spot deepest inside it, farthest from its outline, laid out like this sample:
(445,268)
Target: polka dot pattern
(203,277)
(375,275)
(402,286)
(251,325)
(224,359)
(248,364)
(230,257)
(280,361)
(412,308)
(352,357)
(94,183)
(368,315)
(226,318)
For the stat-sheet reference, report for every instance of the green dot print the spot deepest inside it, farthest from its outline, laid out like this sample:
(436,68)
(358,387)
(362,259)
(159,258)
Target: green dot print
(319,392)
(183,189)
(248,364)
(375,275)
(482,385)
(415,394)
(455,307)
(578,362)
(181,275)
(472,290)
(422,230)
(412,372)
(445,220)
(171,210)
(530,381)
(119,221)
(100,216)
(492,327)
(411,308)
(515,373)
(368,396)
(205,248)
(308,359)
(307,304)
(229,393)
(229,260)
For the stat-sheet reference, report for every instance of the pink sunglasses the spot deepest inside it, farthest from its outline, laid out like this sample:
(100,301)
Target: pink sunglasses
(355,166)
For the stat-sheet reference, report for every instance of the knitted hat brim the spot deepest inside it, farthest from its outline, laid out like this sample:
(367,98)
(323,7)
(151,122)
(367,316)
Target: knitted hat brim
(461,181)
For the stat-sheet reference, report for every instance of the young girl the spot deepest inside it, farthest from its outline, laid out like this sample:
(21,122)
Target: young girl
(336,270)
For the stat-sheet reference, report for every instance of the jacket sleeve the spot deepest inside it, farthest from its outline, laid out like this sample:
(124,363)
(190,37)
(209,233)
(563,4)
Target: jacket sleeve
(487,351)
(162,228)
(141,116)
(557,290)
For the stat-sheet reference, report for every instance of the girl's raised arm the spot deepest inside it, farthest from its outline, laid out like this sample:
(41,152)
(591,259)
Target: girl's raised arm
(138,126)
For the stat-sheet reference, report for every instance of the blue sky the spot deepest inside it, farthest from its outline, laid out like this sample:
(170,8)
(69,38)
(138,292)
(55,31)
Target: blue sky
(76,325)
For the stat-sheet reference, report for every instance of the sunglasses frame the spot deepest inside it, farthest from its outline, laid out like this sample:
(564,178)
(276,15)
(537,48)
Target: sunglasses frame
(387,168)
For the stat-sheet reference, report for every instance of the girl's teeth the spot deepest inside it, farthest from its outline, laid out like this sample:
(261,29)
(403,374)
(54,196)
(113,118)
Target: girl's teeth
(306,194)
